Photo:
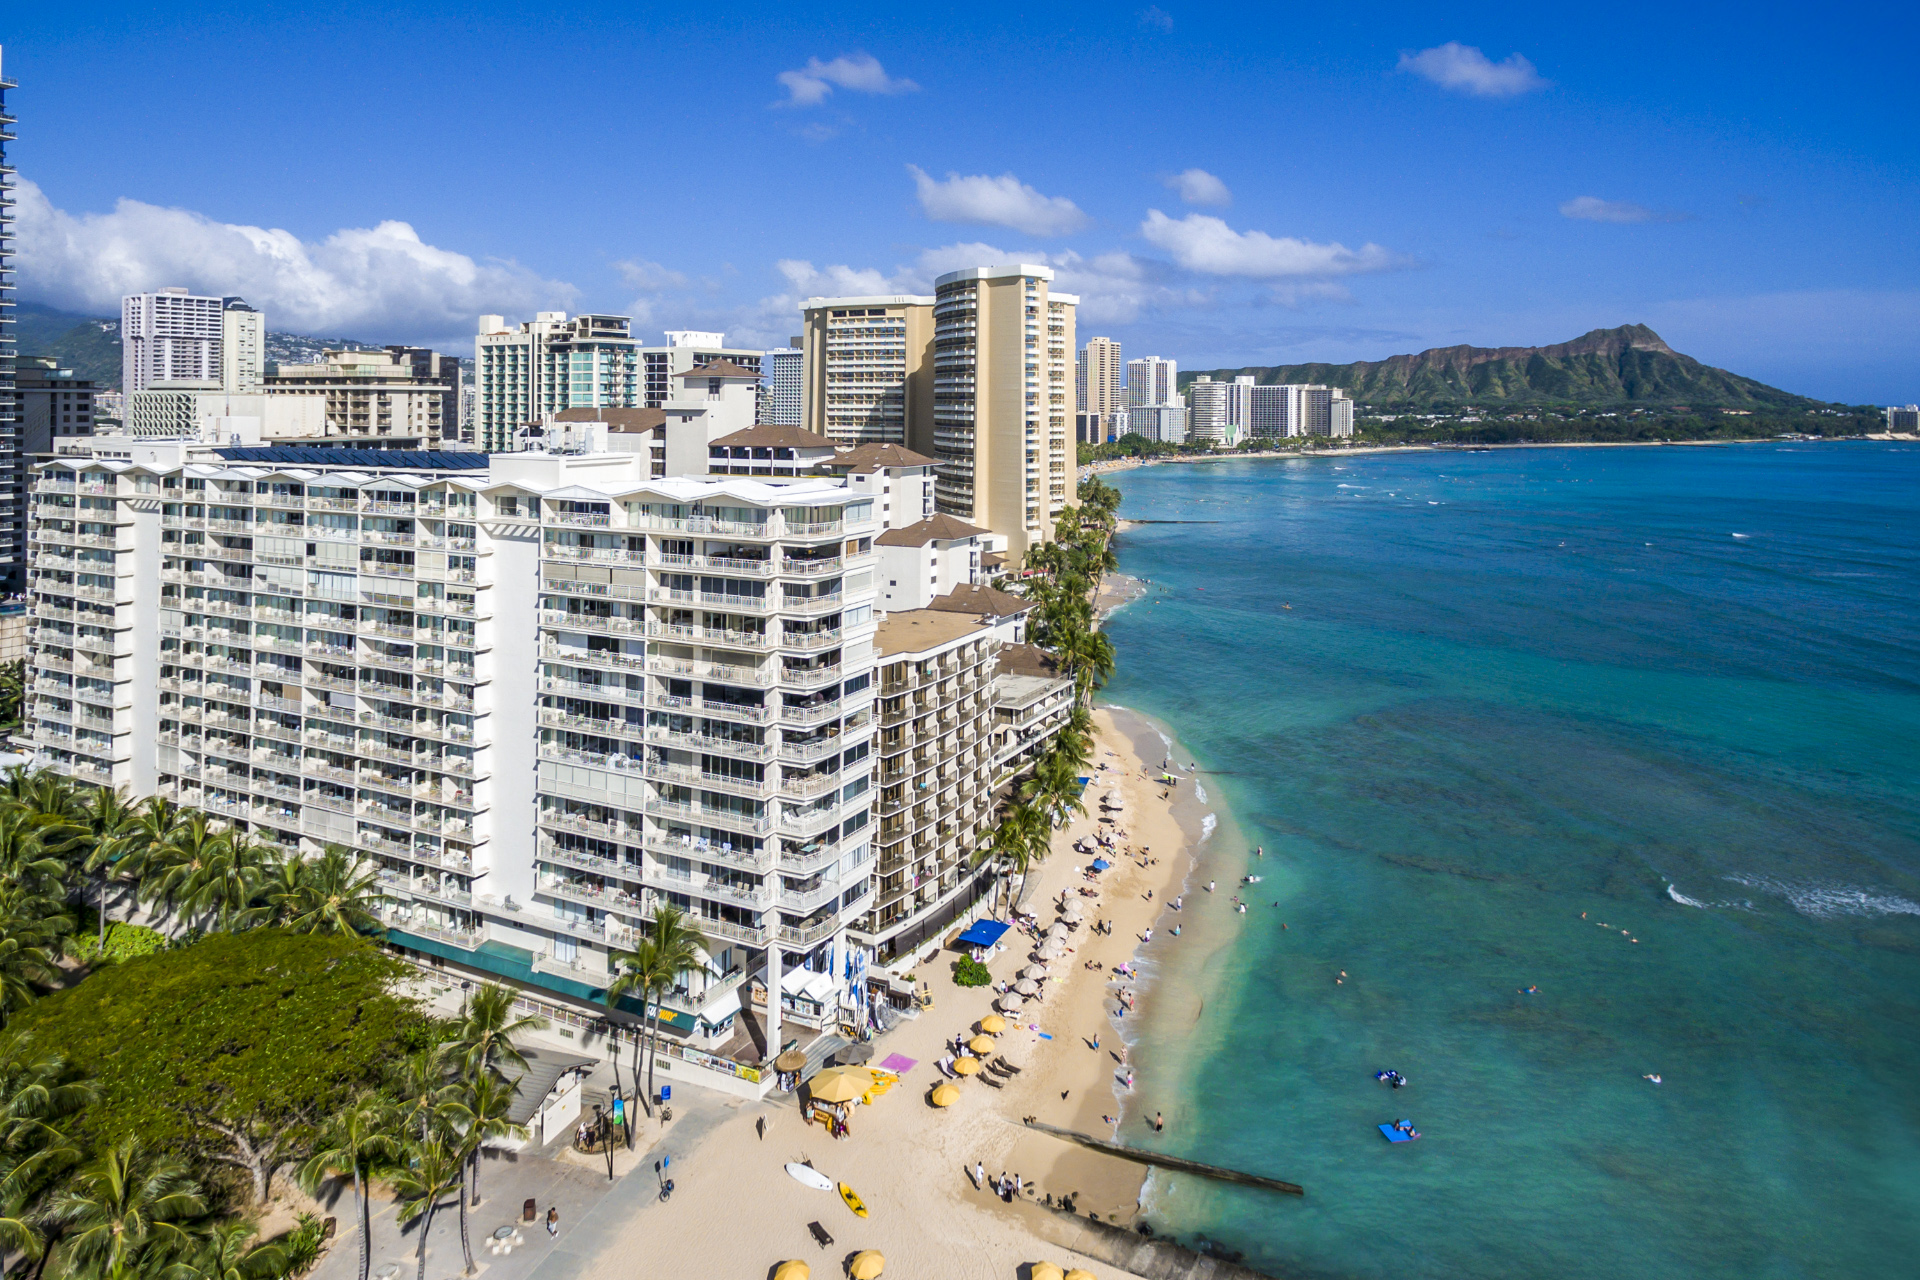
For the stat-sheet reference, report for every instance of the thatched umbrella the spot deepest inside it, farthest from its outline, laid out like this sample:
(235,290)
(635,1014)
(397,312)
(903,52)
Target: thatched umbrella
(791,1060)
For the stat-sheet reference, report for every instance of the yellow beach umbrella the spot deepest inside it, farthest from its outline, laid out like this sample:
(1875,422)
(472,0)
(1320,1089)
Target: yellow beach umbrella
(792,1269)
(945,1095)
(966,1066)
(1045,1271)
(866,1265)
(993,1024)
(840,1084)
(1080,1273)
(981,1044)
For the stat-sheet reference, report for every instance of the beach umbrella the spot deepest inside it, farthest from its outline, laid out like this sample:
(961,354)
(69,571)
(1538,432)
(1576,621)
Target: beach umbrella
(792,1269)
(1027,987)
(1052,949)
(945,1095)
(1079,1273)
(1034,971)
(855,1053)
(867,1265)
(981,1044)
(791,1060)
(840,1084)
(1072,911)
(1057,931)
(966,1066)
(1010,1002)
(1045,1271)
(993,1024)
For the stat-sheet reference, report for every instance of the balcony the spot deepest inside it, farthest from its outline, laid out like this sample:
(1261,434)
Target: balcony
(809,605)
(812,568)
(736,748)
(720,564)
(807,640)
(707,816)
(724,638)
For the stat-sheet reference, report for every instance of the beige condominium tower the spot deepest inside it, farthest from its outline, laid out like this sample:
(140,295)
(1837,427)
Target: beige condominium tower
(1003,393)
(868,367)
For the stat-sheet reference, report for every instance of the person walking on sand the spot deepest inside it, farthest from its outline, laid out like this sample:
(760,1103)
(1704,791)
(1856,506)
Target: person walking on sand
(979,1176)
(553,1221)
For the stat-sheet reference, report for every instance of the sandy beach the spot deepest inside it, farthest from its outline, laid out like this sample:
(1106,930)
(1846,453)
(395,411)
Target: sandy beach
(736,1212)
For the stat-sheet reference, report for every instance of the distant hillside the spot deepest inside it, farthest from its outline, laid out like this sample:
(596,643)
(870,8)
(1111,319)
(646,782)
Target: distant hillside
(1630,365)
(90,345)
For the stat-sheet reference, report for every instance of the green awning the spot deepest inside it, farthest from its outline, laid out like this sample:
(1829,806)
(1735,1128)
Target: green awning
(516,965)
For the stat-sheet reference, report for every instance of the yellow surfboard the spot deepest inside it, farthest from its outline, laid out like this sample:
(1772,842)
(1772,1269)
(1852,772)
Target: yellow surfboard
(854,1202)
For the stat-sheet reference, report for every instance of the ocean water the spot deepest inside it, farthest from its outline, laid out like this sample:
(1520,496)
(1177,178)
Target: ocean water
(1636,728)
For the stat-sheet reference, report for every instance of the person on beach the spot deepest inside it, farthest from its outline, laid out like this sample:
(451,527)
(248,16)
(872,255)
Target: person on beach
(1158,1123)
(1176,928)
(1178,900)
(1148,935)
(1209,886)
(979,1176)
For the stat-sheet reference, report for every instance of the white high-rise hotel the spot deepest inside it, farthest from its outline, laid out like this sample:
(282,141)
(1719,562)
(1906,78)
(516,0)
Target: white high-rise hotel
(173,336)
(545,692)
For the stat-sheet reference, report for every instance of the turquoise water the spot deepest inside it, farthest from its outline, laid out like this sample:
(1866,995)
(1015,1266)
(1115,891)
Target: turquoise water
(1520,695)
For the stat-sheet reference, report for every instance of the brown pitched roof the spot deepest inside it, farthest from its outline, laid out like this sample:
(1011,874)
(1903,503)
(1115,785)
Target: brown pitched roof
(719,369)
(1027,660)
(872,457)
(968,598)
(618,420)
(771,435)
(933,528)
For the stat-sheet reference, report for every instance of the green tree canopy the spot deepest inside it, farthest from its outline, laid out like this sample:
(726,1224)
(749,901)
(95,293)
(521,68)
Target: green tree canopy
(234,1050)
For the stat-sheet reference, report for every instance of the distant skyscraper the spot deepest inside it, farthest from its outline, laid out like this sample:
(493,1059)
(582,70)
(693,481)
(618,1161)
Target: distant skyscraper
(171,336)
(243,346)
(13,527)
(1098,390)
(868,368)
(783,371)
(1301,409)
(524,376)
(1207,410)
(1153,381)
(1903,419)
(1240,409)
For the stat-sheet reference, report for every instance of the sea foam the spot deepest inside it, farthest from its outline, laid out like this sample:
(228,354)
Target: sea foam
(1826,901)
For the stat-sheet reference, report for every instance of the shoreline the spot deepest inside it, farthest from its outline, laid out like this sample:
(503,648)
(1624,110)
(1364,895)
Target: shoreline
(1111,465)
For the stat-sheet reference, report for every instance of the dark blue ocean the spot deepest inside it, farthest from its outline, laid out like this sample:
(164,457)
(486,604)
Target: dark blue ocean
(1583,765)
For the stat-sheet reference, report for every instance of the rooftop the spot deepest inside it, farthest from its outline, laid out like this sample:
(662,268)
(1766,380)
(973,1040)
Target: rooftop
(936,528)
(980,601)
(719,369)
(921,630)
(874,457)
(617,420)
(1028,660)
(772,435)
(419,459)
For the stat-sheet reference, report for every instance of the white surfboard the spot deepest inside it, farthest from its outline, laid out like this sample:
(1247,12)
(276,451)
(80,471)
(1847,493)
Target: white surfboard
(808,1176)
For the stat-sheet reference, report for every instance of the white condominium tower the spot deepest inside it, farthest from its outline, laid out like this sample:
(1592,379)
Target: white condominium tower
(1301,409)
(545,693)
(1098,387)
(13,532)
(783,375)
(868,374)
(1003,394)
(661,367)
(175,336)
(524,376)
(1153,381)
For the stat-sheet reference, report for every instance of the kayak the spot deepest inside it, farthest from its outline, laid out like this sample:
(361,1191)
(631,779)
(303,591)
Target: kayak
(854,1202)
(808,1176)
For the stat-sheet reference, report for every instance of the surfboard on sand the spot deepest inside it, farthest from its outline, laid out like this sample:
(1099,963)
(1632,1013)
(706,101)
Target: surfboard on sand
(854,1202)
(808,1176)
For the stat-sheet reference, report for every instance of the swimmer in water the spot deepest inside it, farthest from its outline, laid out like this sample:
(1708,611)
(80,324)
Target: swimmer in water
(1655,1077)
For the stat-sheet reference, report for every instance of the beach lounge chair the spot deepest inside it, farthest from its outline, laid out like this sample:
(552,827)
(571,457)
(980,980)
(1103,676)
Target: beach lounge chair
(820,1235)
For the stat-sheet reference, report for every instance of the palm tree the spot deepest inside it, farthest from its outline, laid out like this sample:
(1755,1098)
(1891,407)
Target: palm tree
(30,928)
(421,1082)
(1054,787)
(39,1098)
(431,1170)
(1032,828)
(109,825)
(477,1111)
(127,1212)
(230,1254)
(671,948)
(33,852)
(357,1136)
(1089,655)
(236,869)
(483,1038)
(13,690)
(338,892)
(174,869)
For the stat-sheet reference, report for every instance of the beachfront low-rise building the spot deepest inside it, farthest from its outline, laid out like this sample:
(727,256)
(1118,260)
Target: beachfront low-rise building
(1032,701)
(545,693)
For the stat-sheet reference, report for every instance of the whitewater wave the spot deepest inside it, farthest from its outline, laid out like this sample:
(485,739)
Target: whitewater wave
(1207,824)
(1826,901)
(1199,792)
(1743,535)
(1683,899)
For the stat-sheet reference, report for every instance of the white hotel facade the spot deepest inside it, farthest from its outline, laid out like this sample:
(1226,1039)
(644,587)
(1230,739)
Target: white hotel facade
(544,692)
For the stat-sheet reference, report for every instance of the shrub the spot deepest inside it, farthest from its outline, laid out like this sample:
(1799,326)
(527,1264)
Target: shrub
(301,1246)
(124,942)
(968,972)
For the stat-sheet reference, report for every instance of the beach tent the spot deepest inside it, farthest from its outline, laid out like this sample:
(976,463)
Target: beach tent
(867,1265)
(983,933)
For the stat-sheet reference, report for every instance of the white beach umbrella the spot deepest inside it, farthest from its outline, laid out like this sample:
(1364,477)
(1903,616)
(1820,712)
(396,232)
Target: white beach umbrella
(1034,971)
(1027,987)
(1072,910)
(1057,930)
(1009,1002)
(1052,949)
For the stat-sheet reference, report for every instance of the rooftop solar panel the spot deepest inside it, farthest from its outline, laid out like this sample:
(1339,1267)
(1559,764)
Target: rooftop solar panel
(308,455)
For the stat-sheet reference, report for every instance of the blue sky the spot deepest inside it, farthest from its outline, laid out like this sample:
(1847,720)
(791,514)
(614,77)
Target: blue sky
(1358,180)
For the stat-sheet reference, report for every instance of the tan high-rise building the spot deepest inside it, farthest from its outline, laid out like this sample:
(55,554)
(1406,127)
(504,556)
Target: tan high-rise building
(868,368)
(1098,390)
(1002,400)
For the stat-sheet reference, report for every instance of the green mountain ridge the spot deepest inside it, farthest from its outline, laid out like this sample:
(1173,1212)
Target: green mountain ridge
(1628,365)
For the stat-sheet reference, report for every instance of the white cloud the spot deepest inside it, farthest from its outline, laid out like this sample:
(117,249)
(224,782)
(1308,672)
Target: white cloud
(1594,209)
(1197,186)
(1208,245)
(861,72)
(1004,201)
(359,282)
(1462,67)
